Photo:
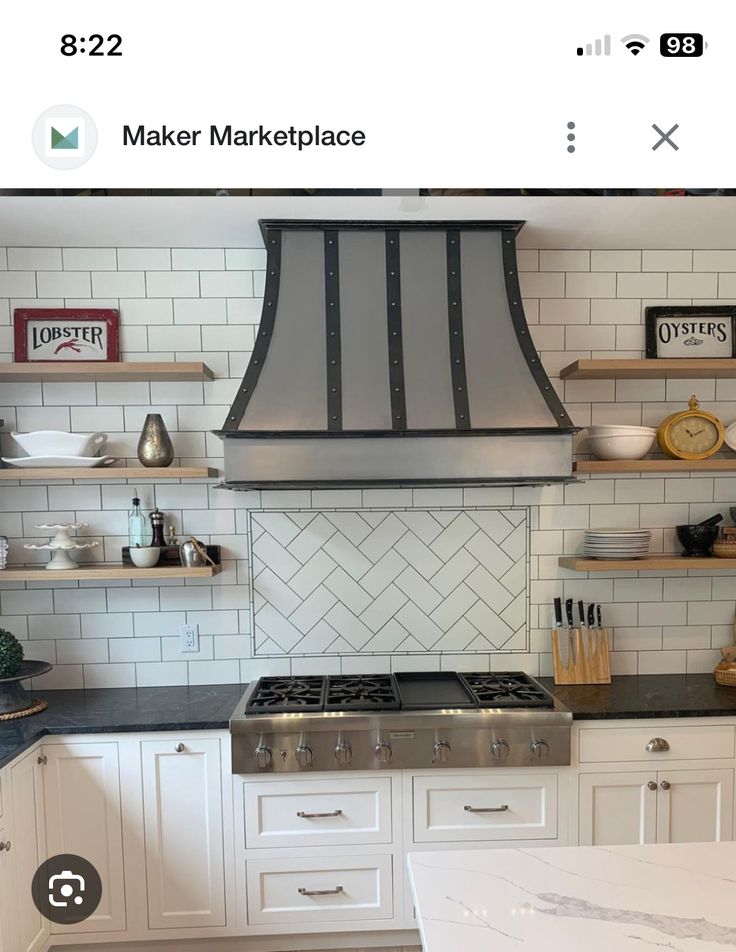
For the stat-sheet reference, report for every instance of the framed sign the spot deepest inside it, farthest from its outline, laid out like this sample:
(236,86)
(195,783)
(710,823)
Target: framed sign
(691,331)
(66,334)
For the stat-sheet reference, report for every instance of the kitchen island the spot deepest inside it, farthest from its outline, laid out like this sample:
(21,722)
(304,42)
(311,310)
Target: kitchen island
(677,897)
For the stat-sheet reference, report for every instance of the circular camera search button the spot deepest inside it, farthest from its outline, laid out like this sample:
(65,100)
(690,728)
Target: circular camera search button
(66,889)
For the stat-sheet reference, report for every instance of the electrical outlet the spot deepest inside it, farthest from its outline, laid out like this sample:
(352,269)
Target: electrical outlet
(189,638)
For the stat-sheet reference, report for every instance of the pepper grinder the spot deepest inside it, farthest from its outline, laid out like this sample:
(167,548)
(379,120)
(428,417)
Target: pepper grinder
(157,524)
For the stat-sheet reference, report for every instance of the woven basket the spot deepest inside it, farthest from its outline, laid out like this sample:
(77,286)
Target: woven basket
(725,673)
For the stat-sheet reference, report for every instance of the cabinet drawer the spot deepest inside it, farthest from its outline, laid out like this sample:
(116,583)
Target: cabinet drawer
(610,745)
(324,889)
(318,812)
(486,807)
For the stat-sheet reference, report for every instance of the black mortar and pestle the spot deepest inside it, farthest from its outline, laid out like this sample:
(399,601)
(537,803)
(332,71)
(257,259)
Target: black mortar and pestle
(697,540)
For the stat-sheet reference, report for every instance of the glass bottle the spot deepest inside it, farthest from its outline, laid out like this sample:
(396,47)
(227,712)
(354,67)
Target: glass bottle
(138,531)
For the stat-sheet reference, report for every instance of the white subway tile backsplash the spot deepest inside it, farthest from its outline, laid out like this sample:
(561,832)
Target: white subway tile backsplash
(579,303)
(616,261)
(667,261)
(144,259)
(172,284)
(54,284)
(593,285)
(88,259)
(34,259)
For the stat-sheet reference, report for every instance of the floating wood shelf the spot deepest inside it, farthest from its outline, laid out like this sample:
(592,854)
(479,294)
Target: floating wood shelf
(714,465)
(97,473)
(650,563)
(76,371)
(648,369)
(29,573)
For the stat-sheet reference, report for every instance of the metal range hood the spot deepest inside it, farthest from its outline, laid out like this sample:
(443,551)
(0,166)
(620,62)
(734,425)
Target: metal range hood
(394,352)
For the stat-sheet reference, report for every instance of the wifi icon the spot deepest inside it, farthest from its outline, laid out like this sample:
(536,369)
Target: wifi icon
(635,42)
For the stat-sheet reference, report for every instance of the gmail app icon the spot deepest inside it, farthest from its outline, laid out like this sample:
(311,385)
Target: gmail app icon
(64,136)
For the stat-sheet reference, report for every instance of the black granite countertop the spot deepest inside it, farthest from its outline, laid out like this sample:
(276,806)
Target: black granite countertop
(648,695)
(208,707)
(112,710)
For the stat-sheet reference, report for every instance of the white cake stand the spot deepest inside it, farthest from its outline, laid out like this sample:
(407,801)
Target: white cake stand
(61,545)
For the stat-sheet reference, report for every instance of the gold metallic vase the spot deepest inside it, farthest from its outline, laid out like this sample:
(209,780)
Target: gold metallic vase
(154,446)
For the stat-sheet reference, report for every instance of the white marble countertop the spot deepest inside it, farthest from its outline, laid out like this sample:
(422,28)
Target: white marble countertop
(577,899)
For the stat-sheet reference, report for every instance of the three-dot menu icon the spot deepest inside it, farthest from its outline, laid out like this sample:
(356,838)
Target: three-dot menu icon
(571,137)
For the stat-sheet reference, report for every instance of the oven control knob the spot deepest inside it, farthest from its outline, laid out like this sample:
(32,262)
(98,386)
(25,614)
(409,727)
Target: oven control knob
(540,749)
(441,751)
(343,753)
(383,753)
(304,755)
(499,750)
(262,755)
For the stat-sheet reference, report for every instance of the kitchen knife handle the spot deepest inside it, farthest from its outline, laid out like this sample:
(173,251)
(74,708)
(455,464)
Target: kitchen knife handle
(581,613)
(598,613)
(568,612)
(591,615)
(558,613)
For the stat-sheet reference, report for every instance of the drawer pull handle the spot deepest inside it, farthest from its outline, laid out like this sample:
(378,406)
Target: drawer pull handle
(317,816)
(657,745)
(320,892)
(502,809)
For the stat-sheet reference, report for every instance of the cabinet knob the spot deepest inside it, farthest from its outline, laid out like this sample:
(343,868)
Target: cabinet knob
(657,745)
(180,748)
(652,785)
(5,846)
(42,759)
(665,785)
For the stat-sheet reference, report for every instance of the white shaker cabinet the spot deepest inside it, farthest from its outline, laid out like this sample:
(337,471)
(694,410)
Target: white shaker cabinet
(617,809)
(666,806)
(694,806)
(28,849)
(8,940)
(183,817)
(82,810)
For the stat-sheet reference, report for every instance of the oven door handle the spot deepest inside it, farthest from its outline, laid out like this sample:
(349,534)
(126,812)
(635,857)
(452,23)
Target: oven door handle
(502,809)
(317,816)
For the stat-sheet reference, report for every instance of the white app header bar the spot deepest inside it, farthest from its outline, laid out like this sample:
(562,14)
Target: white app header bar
(349,94)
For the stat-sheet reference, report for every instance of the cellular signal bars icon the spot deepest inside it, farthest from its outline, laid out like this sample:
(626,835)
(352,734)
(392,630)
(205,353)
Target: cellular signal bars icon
(597,48)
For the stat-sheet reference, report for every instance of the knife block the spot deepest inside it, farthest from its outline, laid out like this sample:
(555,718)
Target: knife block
(586,660)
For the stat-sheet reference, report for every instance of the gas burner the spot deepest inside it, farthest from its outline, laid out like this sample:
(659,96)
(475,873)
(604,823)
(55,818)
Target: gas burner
(507,689)
(362,692)
(287,695)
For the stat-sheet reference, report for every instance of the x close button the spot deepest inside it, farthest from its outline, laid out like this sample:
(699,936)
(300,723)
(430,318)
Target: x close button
(665,137)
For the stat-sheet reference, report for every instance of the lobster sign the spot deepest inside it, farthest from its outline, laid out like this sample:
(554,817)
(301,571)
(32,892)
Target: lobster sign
(66,334)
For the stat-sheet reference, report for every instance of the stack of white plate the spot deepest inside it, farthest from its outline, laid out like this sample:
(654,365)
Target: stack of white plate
(3,551)
(616,543)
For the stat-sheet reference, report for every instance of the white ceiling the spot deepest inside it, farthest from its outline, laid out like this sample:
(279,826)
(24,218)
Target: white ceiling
(202,222)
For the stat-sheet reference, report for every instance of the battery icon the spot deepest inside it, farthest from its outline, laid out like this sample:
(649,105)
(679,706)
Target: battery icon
(682,44)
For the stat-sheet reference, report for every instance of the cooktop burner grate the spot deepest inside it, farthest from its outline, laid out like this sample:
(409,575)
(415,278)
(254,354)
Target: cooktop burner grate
(287,695)
(507,690)
(364,692)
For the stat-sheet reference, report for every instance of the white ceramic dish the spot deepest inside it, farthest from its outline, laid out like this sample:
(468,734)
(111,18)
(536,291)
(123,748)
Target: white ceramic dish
(144,556)
(59,443)
(57,462)
(634,444)
(730,436)
(616,429)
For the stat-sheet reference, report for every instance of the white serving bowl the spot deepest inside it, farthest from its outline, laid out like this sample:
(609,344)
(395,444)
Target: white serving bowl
(633,444)
(59,443)
(144,556)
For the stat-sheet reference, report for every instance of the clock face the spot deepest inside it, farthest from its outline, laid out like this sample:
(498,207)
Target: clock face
(693,435)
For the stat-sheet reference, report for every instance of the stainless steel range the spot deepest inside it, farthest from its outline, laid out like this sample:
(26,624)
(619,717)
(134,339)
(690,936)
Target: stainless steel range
(406,720)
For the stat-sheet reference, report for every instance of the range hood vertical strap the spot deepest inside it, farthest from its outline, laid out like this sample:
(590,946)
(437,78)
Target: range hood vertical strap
(264,333)
(332,330)
(395,343)
(518,319)
(455,325)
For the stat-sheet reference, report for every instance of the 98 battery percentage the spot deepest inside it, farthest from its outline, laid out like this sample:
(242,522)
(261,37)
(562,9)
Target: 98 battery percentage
(681,44)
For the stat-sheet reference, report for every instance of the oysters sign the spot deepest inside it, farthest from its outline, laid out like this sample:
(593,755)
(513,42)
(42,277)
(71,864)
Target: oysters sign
(66,334)
(691,331)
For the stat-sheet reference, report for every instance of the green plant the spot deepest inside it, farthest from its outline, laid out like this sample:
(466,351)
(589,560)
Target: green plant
(11,654)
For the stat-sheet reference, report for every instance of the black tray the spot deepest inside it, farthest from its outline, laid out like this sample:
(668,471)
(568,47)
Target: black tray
(432,691)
